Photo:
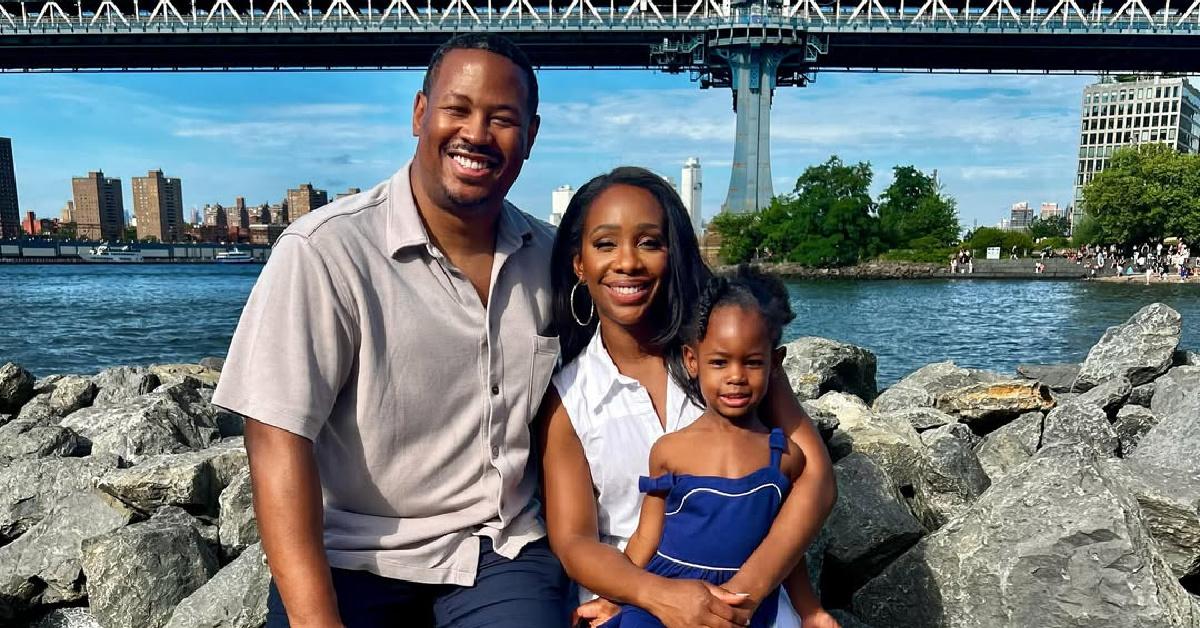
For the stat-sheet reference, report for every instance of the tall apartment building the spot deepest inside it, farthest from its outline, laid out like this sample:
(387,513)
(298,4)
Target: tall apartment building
(215,216)
(99,207)
(1051,210)
(1148,110)
(238,215)
(1020,216)
(158,207)
(690,190)
(304,199)
(559,199)
(10,212)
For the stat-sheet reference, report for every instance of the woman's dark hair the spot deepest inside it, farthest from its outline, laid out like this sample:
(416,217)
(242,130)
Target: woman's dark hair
(686,273)
(748,288)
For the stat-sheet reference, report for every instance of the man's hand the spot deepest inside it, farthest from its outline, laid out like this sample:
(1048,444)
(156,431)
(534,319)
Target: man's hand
(595,613)
(692,603)
(819,619)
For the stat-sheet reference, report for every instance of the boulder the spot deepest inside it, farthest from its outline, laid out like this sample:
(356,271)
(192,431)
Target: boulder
(1131,424)
(1177,391)
(924,418)
(1057,543)
(234,598)
(825,422)
(177,515)
(1109,395)
(174,420)
(1142,395)
(43,566)
(176,373)
(238,525)
(957,430)
(46,384)
(1080,423)
(228,423)
(890,442)
(122,383)
(30,438)
(952,480)
(71,393)
(868,527)
(38,409)
(213,363)
(988,405)
(922,387)
(1168,487)
(136,575)
(815,366)
(1010,446)
(1056,377)
(30,488)
(16,387)
(72,617)
(1141,349)
(184,480)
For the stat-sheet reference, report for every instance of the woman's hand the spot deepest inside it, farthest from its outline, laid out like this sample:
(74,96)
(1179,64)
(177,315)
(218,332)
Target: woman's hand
(819,619)
(692,603)
(595,612)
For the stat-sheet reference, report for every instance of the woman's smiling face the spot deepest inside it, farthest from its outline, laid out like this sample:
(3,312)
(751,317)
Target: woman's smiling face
(623,254)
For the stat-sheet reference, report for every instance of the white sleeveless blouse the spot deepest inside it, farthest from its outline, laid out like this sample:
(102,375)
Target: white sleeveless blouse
(615,421)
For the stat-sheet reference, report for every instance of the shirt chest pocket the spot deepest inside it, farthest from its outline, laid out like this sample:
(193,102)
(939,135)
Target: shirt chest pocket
(545,358)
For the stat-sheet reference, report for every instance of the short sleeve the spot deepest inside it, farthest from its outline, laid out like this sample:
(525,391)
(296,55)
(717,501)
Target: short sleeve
(294,345)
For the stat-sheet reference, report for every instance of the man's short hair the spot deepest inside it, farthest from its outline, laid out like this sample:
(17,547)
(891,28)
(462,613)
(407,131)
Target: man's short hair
(493,43)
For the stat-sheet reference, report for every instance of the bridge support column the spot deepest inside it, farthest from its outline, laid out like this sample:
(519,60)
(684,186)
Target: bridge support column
(752,77)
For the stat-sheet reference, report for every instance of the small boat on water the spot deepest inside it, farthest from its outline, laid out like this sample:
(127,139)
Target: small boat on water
(234,257)
(105,254)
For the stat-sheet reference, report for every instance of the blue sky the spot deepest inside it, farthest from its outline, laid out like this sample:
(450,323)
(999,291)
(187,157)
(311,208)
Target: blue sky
(994,139)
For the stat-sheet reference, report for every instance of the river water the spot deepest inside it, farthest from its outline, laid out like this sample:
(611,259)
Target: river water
(79,318)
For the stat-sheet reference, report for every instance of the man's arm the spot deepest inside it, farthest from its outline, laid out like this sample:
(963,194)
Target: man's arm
(287,503)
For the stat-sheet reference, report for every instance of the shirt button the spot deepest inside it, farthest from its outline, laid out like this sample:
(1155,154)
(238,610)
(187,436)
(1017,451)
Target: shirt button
(495,390)
(495,451)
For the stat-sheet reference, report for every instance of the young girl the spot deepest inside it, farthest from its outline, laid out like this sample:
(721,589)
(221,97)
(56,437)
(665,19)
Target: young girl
(716,485)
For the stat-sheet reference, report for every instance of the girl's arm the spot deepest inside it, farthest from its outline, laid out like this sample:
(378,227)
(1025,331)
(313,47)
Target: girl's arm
(645,539)
(601,568)
(803,512)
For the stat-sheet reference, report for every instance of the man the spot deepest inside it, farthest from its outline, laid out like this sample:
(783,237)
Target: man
(389,360)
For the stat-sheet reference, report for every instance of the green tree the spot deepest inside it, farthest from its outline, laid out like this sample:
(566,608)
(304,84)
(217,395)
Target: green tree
(739,236)
(913,208)
(986,237)
(1050,227)
(1086,232)
(1147,192)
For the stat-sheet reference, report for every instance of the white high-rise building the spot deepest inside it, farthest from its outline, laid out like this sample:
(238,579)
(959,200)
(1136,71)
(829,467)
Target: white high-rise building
(559,199)
(690,189)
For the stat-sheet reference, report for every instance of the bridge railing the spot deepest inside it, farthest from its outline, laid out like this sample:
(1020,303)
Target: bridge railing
(641,15)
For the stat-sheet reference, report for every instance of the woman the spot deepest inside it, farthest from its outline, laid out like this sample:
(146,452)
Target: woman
(626,270)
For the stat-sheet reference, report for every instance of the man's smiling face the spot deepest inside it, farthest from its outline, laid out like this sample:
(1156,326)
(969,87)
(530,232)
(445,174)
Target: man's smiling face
(474,129)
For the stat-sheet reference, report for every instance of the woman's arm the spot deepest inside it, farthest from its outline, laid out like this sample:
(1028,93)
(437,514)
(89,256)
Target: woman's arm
(645,539)
(803,512)
(601,568)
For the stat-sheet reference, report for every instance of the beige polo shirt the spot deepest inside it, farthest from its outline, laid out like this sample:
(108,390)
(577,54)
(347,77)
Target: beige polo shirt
(362,336)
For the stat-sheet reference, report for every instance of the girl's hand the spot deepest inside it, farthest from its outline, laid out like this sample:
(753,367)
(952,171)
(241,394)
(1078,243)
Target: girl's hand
(595,612)
(819,619)
(692,603)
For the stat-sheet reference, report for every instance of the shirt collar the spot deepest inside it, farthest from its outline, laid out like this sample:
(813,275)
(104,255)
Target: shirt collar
(405,229)
(604,381)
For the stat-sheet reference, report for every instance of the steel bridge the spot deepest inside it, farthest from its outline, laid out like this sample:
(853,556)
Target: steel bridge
(751,46)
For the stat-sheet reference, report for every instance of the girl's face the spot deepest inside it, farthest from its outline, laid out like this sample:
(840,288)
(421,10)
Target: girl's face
(733,361)
(623,254)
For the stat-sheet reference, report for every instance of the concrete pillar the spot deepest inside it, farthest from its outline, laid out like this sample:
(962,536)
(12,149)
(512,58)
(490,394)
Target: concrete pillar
(752,73)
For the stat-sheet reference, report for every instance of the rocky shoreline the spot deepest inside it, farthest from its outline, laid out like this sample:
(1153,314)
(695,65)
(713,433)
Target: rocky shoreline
(1060,496)
(867,270)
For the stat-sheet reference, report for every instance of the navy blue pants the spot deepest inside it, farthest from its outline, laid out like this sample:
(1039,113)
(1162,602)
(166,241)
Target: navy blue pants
(527,592)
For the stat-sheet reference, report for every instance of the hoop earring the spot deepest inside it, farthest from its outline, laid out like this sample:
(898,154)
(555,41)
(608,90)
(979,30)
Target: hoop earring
(591,307)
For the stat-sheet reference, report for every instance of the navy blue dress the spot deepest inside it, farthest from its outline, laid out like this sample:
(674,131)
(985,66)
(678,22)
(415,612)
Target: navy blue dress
(712,525)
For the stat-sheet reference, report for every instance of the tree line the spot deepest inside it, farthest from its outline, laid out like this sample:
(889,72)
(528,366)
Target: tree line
(1148,192)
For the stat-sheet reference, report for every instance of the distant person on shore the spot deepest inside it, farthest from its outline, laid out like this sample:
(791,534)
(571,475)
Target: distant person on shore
(389,361)
(1013,254)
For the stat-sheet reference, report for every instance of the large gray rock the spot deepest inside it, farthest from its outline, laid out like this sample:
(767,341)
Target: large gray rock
(16,387)
(1132,423)
(1177,391)
(1142,395)
(38,409)
(1141,349)
(1080,423)
(176,515)
(1010,446)
(953,479)
(890,442)
(169,374)
(31,488)
(43,566)
(72,617)
(924,418)
(957,430)
(71,393)
(31,438)
(184,480)
(136,575)
(825,422)
(122,383)
(229,424)
(175,420)
(238,525)
(1057,377)
(922,387)
(234,598)
(1168,488)
(988,405)
(815,366)
(1058,543)
(213,363)
(1109,395)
